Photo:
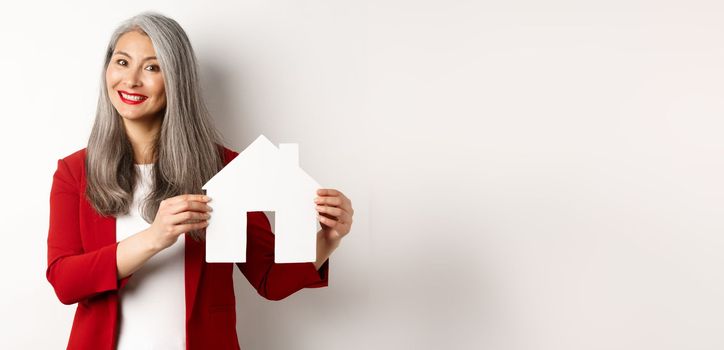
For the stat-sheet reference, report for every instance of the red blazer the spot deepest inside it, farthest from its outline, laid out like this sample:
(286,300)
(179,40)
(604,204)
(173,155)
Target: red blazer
(82,269)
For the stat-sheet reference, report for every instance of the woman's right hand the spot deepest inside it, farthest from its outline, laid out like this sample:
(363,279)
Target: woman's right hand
(177,215)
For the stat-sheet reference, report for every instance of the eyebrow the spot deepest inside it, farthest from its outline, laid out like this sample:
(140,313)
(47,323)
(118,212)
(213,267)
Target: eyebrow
(129,56)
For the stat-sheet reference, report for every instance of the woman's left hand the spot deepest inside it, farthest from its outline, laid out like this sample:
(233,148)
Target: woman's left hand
(335,214)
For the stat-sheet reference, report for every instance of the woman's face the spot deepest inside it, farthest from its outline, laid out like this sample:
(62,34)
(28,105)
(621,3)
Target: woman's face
(134,79)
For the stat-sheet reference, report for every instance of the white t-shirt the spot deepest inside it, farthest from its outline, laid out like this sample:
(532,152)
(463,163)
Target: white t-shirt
(152,303)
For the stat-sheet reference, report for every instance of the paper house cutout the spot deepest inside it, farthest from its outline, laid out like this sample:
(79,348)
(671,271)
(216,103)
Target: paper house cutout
(263,178)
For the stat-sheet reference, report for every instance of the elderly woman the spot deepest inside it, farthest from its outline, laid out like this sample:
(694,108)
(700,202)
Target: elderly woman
(122,208)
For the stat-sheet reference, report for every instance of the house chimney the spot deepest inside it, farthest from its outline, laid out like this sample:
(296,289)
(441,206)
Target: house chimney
(289,153)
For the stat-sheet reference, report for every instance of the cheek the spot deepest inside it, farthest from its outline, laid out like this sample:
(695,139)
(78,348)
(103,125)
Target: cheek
(159,89)
(111,79)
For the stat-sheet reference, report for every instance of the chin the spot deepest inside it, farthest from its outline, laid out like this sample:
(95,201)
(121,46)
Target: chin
(131,116)
(137,116)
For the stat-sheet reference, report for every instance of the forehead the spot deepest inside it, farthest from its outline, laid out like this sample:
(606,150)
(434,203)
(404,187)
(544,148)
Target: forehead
(135,43)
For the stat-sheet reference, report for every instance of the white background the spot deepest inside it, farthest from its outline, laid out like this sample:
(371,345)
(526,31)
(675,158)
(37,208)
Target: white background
(526,174)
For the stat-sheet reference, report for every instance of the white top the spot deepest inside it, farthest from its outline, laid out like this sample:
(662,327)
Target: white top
(152,303)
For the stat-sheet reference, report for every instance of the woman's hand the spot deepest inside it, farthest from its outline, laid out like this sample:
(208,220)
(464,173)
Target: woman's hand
(176,215)
(335,214)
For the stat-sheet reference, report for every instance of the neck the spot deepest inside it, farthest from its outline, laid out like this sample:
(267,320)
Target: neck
(142,135)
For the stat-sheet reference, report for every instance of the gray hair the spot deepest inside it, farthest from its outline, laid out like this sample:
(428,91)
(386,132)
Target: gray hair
(187,151)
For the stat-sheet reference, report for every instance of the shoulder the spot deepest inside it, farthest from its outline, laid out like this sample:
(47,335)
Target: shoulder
(73,164)
(75,158)
(228,154)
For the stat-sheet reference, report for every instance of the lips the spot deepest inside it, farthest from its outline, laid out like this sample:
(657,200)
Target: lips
(131,98)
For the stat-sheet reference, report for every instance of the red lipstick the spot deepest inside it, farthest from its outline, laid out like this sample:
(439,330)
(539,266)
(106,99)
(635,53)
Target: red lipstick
(133,99)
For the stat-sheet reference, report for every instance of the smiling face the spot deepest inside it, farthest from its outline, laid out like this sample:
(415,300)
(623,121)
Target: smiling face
(134,79)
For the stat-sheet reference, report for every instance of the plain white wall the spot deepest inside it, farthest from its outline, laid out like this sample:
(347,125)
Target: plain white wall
(525,174)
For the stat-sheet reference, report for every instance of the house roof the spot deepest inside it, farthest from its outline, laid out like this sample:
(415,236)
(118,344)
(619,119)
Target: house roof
(259,162)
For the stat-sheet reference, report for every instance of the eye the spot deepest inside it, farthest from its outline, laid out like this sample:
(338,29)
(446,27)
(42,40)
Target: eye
(121,62)
(153,68)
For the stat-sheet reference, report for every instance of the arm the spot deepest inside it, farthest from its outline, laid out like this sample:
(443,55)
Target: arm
(276,281)
(77,274)
(74,273)
(133,252)
(324,249)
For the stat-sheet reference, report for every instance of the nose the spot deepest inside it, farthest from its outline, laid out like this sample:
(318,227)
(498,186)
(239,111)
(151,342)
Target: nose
(132,78)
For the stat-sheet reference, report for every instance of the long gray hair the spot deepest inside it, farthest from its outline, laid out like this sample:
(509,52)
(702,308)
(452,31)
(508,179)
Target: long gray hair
(187,150)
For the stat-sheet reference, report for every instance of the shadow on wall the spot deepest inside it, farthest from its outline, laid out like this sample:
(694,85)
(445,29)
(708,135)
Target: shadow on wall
(224,103)
(416,299)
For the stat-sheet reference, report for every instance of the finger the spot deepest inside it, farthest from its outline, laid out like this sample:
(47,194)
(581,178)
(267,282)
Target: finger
(328,192)
(334,211)
(327,216)
(184,217)
(327,221)
(347,206)
(179,229)
(344,219)
(188,206)
(188,197)
(333,201)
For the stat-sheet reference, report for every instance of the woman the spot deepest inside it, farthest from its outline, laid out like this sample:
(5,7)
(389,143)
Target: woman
(119,209)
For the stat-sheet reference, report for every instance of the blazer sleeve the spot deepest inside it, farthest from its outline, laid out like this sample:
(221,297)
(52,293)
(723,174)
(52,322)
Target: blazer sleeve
(271,280)
(75,274)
